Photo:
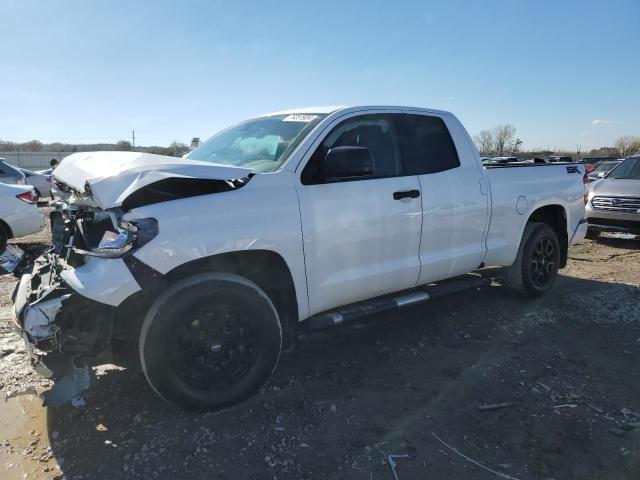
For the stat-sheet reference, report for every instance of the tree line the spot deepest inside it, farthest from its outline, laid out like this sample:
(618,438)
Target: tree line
(175,149)
(502,141)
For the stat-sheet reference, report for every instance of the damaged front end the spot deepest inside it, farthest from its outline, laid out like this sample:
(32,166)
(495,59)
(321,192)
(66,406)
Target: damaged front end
(65,302)
(68,299)
(65,331)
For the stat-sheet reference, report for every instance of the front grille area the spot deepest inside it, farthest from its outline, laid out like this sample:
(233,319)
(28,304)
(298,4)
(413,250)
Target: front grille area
(616,204)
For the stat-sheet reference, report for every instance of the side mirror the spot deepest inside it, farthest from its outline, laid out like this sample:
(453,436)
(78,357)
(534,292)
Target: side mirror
(344,162)
(601,174)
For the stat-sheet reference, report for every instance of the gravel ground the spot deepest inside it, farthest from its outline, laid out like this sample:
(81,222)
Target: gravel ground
(404,384)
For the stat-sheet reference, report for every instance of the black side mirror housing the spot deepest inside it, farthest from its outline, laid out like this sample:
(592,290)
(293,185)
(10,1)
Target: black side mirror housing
(345,162)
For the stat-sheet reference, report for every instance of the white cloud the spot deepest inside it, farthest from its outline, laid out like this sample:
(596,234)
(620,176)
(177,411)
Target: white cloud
(601,122)
(584,134)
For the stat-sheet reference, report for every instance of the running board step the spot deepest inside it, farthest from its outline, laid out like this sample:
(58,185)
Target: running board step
(366,308)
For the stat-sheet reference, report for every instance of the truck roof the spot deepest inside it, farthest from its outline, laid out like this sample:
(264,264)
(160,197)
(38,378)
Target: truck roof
(334,108)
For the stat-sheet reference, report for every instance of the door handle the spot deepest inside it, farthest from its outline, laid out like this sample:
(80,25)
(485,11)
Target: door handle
(406,194)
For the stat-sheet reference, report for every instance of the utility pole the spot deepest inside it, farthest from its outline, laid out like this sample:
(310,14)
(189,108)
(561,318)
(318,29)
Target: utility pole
(578,148)
(133,138)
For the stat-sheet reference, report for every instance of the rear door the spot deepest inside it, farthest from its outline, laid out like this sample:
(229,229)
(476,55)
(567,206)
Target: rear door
(455,207)
(361,235)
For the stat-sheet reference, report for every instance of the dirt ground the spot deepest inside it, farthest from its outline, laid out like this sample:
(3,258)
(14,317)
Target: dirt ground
(407,384)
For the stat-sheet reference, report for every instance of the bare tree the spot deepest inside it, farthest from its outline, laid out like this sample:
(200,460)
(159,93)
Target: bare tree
(505,136)
(485,142)
(627,145)
(514,148)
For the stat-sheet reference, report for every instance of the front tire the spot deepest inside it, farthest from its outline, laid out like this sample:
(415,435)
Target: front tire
(535,269)
(210,341)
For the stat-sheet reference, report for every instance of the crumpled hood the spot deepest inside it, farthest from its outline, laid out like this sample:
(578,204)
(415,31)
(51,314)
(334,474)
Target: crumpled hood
(113,176)
(616,187)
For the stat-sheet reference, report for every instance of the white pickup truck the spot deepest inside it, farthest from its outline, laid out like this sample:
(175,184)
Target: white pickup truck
(297,219)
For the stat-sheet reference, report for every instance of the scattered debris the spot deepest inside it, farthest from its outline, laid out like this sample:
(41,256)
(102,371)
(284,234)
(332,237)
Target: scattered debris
(393,464)
(475,462)
(597,409)
(68,388)
(30,390)
(10,258)
(496,406)
(546,387)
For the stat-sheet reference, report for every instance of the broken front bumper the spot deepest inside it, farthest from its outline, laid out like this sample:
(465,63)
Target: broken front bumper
(58,312)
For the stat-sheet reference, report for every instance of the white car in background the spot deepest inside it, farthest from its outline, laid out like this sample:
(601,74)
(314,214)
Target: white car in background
(19,214)
(39,181)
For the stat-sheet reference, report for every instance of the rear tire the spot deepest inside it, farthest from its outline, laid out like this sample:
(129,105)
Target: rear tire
(210,341)
(535,269)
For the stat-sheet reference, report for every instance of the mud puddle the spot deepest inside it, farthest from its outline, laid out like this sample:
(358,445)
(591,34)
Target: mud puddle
(25,451)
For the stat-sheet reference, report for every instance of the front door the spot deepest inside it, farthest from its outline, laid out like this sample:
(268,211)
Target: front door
(361,235)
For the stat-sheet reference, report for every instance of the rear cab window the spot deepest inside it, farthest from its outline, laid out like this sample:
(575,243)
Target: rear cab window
(426,144)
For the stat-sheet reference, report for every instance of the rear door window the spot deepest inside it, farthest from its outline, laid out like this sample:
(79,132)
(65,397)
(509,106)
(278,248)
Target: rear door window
(426,145)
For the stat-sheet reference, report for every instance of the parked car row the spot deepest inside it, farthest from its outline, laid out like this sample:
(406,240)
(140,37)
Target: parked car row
(40,181)
(488,161)
(20,190)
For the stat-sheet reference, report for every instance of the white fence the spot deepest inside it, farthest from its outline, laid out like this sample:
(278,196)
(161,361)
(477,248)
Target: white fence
(32,160)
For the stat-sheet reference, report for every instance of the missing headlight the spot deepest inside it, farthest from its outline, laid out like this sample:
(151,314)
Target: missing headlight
(128,236)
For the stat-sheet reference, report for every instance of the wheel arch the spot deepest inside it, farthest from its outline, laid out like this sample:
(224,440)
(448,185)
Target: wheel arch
(266,268)
(555,216)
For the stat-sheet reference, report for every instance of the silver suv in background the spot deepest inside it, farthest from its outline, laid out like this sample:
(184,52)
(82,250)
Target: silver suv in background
(10,174)
(614,200)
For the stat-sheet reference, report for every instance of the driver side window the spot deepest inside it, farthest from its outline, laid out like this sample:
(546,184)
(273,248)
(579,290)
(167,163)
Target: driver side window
(375,132)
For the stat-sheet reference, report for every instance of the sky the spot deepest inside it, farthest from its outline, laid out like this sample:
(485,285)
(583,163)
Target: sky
(564,73)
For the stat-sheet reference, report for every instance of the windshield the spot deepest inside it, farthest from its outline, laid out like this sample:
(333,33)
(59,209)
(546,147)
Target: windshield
(628,169)
(261,144)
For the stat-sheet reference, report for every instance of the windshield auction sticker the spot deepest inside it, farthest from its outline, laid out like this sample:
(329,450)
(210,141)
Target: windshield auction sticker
(299,117)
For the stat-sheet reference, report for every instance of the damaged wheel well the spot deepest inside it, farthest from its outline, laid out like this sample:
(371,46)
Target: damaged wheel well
(556,217)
